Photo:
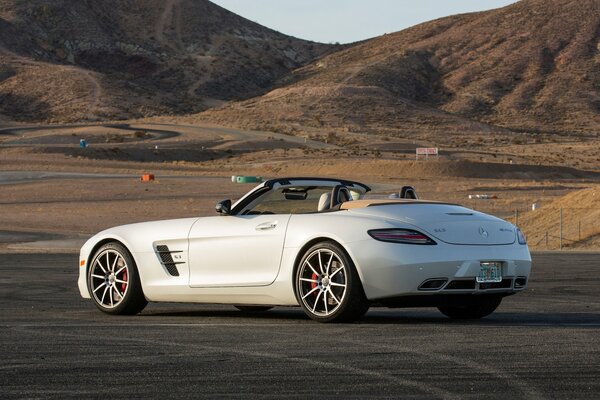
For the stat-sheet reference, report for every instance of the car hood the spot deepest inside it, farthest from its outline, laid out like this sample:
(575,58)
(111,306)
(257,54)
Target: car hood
(449,223)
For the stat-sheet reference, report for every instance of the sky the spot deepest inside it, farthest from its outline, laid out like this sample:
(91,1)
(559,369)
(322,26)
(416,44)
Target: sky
(346,21)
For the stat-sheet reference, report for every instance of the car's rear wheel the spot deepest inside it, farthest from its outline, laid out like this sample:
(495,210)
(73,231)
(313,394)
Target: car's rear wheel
(114,281)
(328,287)
(253,308)
(475,309)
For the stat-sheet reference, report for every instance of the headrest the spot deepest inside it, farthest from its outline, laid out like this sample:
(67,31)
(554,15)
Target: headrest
(324,202)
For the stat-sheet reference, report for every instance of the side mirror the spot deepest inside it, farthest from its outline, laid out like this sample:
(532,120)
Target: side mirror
(224,207)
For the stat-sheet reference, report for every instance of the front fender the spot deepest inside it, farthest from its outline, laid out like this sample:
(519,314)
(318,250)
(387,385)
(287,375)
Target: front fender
(87,252)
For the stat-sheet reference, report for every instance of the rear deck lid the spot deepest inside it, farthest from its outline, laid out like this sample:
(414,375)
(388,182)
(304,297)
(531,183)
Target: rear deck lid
(447,222)
(471,232)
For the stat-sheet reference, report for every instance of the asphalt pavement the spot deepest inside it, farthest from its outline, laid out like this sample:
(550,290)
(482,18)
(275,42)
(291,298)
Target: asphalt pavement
(543,343)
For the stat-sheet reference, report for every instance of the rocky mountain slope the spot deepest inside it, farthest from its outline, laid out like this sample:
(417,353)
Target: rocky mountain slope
(73,60)
(532,66)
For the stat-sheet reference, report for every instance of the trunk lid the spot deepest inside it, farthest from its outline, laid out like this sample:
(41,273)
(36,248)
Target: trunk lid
(446,222)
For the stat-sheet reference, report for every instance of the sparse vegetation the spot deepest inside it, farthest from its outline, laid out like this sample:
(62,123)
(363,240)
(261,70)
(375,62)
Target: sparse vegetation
(140,135)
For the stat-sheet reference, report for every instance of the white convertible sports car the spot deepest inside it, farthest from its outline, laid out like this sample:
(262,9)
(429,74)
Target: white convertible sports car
(313,242)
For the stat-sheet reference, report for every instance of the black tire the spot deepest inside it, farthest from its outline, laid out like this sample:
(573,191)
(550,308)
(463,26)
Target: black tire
(474,309)
(335,277)
(253,308)
(113,272)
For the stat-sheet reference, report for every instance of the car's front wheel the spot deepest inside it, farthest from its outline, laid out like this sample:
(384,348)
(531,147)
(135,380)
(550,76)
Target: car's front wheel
(474,309)
(328,287)
(114,281)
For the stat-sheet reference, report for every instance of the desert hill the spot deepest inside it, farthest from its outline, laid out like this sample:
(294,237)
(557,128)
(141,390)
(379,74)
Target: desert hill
(74,60)
(580,213)
(532,66)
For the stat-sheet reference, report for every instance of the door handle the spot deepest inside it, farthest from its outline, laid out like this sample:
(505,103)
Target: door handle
(266,226)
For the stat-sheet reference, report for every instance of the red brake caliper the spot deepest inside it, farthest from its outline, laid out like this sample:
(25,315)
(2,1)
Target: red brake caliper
(124,285)
(313,284)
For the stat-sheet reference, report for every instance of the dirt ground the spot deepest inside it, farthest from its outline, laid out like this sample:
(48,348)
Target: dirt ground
(51,189)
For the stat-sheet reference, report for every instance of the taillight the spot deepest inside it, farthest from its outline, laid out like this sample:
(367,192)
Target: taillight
(521,237)
(406,236)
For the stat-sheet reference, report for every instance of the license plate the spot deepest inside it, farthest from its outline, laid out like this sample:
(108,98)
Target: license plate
(489,272)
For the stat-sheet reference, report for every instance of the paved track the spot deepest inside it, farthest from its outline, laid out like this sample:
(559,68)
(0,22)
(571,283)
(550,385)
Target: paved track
(544,343)
(166,131)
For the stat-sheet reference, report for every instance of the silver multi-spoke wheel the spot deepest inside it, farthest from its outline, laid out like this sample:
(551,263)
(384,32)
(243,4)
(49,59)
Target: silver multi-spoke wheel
(322,282)
(114,282)
(327,285)
(109,278)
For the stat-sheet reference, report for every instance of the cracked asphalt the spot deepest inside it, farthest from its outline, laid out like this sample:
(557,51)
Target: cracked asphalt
(543,343)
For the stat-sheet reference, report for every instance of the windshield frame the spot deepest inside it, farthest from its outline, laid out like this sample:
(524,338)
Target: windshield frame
(249,201)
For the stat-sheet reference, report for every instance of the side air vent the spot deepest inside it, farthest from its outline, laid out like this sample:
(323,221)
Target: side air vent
(166,259)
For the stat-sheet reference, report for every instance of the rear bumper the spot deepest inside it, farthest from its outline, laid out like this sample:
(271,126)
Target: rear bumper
(389,270)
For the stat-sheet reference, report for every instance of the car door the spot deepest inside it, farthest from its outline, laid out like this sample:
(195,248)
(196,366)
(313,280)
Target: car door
(236,250)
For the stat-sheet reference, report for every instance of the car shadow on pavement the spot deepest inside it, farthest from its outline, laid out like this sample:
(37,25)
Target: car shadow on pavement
(382,316)
(284,313)
(512,319)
